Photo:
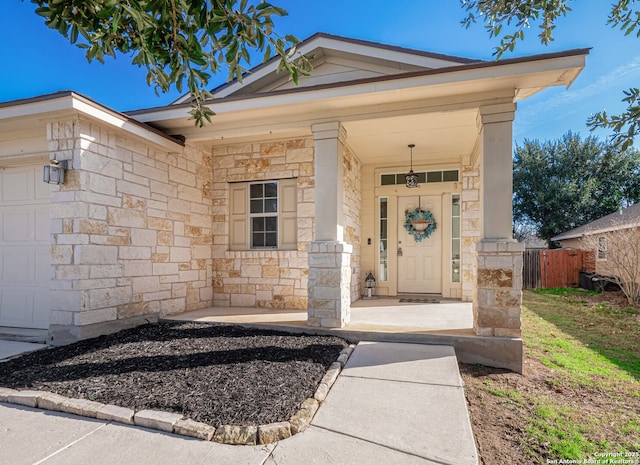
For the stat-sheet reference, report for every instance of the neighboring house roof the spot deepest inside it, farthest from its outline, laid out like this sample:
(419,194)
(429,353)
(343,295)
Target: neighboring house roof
(336,59)
(622,219)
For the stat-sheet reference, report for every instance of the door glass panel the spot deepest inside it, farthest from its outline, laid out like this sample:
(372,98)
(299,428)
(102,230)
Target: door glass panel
(455,238)
(383,268)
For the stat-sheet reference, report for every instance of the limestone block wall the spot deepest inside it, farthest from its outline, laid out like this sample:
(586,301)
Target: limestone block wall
(329,290)
(497,309)
(352,210)
(470,230)
(262,278)
(131,230)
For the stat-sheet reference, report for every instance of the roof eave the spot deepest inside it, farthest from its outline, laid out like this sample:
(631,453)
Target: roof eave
(305,47)
(49,105)
(568,60)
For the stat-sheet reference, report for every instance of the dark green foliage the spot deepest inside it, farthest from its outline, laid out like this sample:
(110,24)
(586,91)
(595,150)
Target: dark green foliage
(562,184)
(178,41)
(516,16)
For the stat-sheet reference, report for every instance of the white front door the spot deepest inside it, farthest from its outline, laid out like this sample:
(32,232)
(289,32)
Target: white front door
(24,248)
(420,262)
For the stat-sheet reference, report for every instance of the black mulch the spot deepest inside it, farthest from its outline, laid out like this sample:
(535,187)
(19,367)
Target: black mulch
(213,374)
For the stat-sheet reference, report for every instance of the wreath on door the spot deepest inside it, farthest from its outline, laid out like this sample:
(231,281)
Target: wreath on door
(419,223)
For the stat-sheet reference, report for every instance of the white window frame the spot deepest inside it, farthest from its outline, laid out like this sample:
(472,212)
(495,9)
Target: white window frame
(275,214)
(241,218)
(602,248)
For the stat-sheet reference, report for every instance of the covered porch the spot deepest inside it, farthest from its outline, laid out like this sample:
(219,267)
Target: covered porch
(383,315)
(445,322)
(323,165)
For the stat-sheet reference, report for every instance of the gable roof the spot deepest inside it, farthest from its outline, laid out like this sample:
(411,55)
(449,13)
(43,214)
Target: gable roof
(343,59)
(521,77)
(622,219)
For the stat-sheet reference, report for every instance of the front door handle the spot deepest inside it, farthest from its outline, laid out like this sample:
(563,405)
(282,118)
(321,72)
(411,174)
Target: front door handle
(399,251)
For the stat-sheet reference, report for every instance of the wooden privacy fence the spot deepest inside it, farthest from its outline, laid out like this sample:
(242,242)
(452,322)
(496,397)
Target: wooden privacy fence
(555,268)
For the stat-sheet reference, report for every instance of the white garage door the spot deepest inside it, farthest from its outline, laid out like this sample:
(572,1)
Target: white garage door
(24,248)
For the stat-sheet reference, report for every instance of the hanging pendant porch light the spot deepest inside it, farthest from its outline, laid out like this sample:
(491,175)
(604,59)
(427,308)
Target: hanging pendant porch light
(411,178)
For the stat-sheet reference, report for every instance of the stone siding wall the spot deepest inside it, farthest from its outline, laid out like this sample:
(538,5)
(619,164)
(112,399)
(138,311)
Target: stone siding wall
(497,307)
(470,230)
(262,278)
(352,208)
(131,230)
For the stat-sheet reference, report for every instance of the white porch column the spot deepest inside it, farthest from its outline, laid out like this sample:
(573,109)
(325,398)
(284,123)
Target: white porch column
(329,139)
(496,171)
(329,292)
(498,296)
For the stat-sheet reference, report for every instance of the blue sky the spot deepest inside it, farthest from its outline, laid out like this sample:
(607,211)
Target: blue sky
(37,60)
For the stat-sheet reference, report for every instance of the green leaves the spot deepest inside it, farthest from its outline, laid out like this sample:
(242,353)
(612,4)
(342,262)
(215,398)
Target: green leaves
(177,41)
(625,126)
(561,184)
(519,15)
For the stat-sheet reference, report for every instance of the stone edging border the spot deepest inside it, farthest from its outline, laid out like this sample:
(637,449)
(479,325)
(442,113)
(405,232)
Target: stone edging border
(176,423)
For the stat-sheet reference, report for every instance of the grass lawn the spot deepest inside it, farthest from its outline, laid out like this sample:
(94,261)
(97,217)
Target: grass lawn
(580,396)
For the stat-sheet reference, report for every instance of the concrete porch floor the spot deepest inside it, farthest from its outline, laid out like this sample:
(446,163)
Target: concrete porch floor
(383,315)
(385,319)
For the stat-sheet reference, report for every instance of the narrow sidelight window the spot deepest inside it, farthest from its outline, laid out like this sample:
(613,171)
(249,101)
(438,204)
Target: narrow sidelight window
(384,240)
(455,238)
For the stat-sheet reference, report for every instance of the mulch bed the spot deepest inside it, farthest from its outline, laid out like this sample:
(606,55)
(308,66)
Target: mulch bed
(213,374)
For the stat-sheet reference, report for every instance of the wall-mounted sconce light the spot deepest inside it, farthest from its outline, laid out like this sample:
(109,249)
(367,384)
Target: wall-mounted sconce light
(54,172)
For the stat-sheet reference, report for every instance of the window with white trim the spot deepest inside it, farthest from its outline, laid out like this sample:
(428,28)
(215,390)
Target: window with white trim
(602,248)
(263,215)
(263,212)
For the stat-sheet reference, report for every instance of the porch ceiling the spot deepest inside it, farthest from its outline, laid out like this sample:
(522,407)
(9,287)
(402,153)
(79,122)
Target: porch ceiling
(438,137)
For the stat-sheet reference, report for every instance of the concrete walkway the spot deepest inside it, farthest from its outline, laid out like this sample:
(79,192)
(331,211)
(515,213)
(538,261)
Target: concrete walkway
(393,403)
(10,349)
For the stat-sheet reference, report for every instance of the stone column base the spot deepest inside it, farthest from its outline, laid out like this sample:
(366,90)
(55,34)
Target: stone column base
(498,301)
(329,284)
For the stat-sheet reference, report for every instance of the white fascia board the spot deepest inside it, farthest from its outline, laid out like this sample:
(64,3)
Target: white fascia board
(269,68)
(114,119)
(592,232)
(50,108)
(386,54)
(543,73)
(35,108)
(331,44)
